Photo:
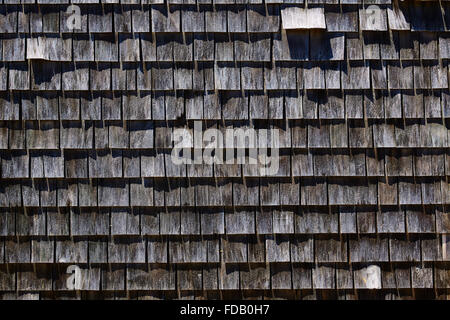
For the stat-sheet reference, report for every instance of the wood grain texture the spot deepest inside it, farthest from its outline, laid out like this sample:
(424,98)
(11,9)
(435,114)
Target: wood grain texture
(359,94)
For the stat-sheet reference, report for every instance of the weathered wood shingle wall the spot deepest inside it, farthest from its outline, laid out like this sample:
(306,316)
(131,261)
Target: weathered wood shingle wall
(358,89)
